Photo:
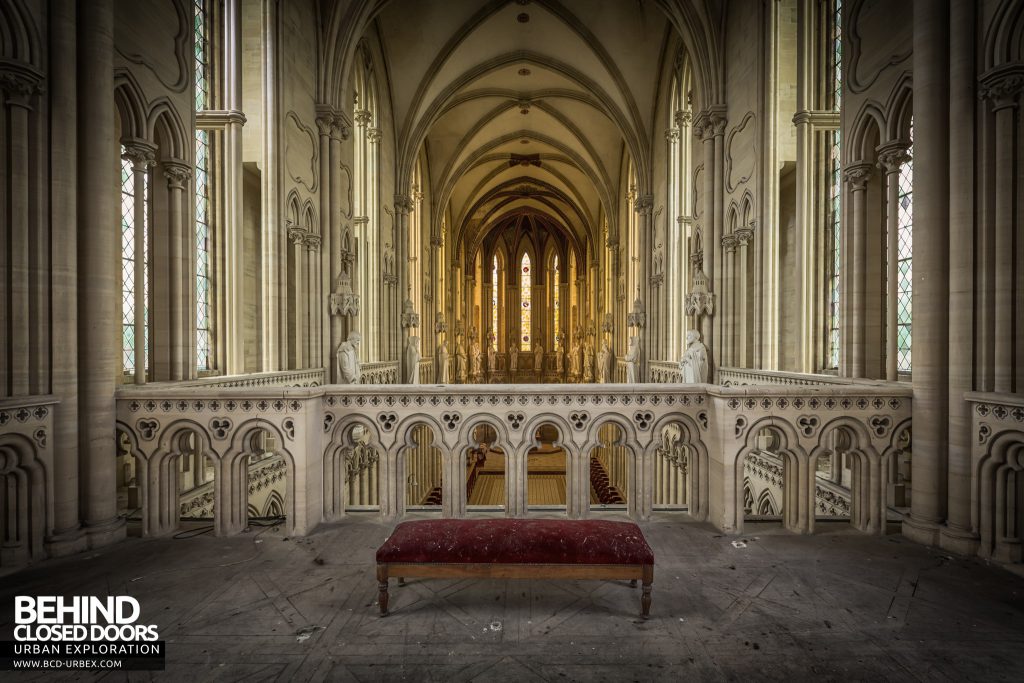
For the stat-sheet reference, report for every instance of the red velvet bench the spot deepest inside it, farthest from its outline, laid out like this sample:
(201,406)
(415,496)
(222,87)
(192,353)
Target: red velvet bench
(516,549)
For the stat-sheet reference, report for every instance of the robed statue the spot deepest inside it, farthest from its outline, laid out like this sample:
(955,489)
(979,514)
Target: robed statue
(633,360)
(412,361)
(347,358)
(441,363)
(694,364)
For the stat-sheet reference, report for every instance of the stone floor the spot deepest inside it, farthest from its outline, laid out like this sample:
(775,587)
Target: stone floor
(834,606)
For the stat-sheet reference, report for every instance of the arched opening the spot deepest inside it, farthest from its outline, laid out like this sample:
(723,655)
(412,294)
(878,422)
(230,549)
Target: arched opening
(195,474)
(769,493)
(423,466)
(352,480)
(129,483)
(546,463)
(835,470)
(671,469)
(486,467)
(266,480)
(898,469)
(609,469)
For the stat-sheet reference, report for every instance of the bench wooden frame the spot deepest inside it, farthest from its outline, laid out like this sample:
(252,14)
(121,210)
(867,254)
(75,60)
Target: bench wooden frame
(437,570)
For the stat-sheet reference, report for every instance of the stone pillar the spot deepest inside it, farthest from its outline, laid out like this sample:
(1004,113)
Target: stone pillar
(271,253)
(403,205)
(142,156)
(891,158)
(728,299)
(177,174)
(857,175)
(744,236)
(98,281)
(644,205)
(931,269)
(312,255)
(233,337)
(704,130)
(324,123)
(718,124)
(958,534)
(67,536)
(297,238)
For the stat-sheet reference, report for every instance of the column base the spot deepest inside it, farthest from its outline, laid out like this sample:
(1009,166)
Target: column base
(960,541)
(67,542)
(104,533)
(920,531)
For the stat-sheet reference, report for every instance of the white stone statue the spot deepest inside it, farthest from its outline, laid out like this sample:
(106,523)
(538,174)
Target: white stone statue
(461,364)
(574,359)
(441,363)
(476,358)
(513,355)
(538,359)
(608,365)
(412,361)
(633,360)
(347,358)
(588,362)
(694,364)
(560,359)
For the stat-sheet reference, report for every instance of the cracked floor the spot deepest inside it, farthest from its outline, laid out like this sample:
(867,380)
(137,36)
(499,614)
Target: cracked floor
(833,606)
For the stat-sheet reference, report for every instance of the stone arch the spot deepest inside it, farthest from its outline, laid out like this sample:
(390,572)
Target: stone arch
(28,498)
(164,125)
(19,36)
(900,109)
(337,480)
(865,133)
(998,474)
(233,476)
(867,504)
(161,494)
(698,475)
(565,441)
(404,447)
(130,103)
(795,506)
(1004,36)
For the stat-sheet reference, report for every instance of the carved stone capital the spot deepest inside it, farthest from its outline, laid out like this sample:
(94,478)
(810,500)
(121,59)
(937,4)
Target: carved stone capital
(20,83)
(644,204)
(373,135)
(1002,85)
(141,153)
(403,203)
(893,155)
(362,117)
(296,234)
(177,173)
(683,117)
(324,123)
(858,174)
(312,241)
(718,120)
(729,243)
(672,135)
(744,236)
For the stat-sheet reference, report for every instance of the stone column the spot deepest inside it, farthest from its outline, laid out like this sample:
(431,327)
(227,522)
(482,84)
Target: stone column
(19,84)
(931,270)
(729,299)
(891,158)
(312,244)
(324,123)
(718,123)
(233,337)
(403,205)
(744,236)
(63,160)
(702,127)
(271,253)
(1002,87)
(177,174)
(338,333)
(142,156)
(958,534)
(297,237)
(857,175)
(98,281)
(644,205)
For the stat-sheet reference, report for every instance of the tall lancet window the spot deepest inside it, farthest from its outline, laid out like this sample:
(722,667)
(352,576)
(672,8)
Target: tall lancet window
(835,187)
(203,168)
(494,299)
(556,304)
(526,297)
(133,235)
(904,261)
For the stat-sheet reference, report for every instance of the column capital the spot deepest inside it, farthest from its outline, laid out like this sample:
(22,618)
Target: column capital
(362,117)
(19,83)
(296,234)
(672,135)
(729,243)
(744,236)
(1002,85)
(324,123)
(892,155)
(683,117)
(403,203)
(141,153)
(373,135)
(177,173)
(312,241)
(644,204)
(857,174)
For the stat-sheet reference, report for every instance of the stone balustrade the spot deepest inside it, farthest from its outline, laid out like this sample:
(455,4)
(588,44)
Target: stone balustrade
(313,377)
(664,372)
(379,372)
(26,477)
(997,474)
(316,428)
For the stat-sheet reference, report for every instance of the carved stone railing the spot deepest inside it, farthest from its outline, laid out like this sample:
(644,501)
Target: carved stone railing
(664,372)
(379,372)
(750,377)
(27,446)
(312,377)
(198,502)
(426,371)
(997,465)
(314,429)
(831,499)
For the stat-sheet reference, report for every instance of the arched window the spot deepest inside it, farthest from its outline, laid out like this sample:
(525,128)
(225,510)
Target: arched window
(526,299)
(678,137)
(494,299)
(135,201)
(203,101)
(904,260)
(556,304)
(367,226)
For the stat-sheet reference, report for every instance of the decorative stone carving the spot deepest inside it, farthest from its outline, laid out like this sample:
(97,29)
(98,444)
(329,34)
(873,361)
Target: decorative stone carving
(700,301)
(857,175)
(632,360)
(348,359)
(892,157)
(412,361)
(441,363)
(177,173)
(694,364)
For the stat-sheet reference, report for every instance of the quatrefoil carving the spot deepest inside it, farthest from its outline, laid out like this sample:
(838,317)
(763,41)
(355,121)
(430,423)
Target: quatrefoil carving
(451,420)
(808,424)
(643,419)
(289,428)
(578,419)
(220,427)
(741,424)
(387,421)
(328,421)
(515,420)
(702,418)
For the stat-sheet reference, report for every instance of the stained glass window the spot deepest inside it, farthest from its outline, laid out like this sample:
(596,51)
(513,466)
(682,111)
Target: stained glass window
(556,303)
(837,55)
(494,299)
(835,189)
(202,175)
(904,261)
(526,297)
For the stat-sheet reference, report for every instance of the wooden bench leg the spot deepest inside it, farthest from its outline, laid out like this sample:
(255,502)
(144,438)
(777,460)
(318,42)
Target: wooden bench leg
(632,583)
(401,580)
(382,586)
(645,597)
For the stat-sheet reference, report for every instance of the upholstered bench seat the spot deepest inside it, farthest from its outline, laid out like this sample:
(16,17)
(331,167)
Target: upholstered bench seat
(516,548)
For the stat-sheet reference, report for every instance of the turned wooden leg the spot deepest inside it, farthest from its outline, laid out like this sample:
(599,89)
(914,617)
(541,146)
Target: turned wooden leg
(632,583)
(401,580)
(645,597)
(382,586)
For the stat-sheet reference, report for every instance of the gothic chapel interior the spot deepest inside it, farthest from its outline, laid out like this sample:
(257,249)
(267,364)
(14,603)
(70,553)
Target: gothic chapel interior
(319,266)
